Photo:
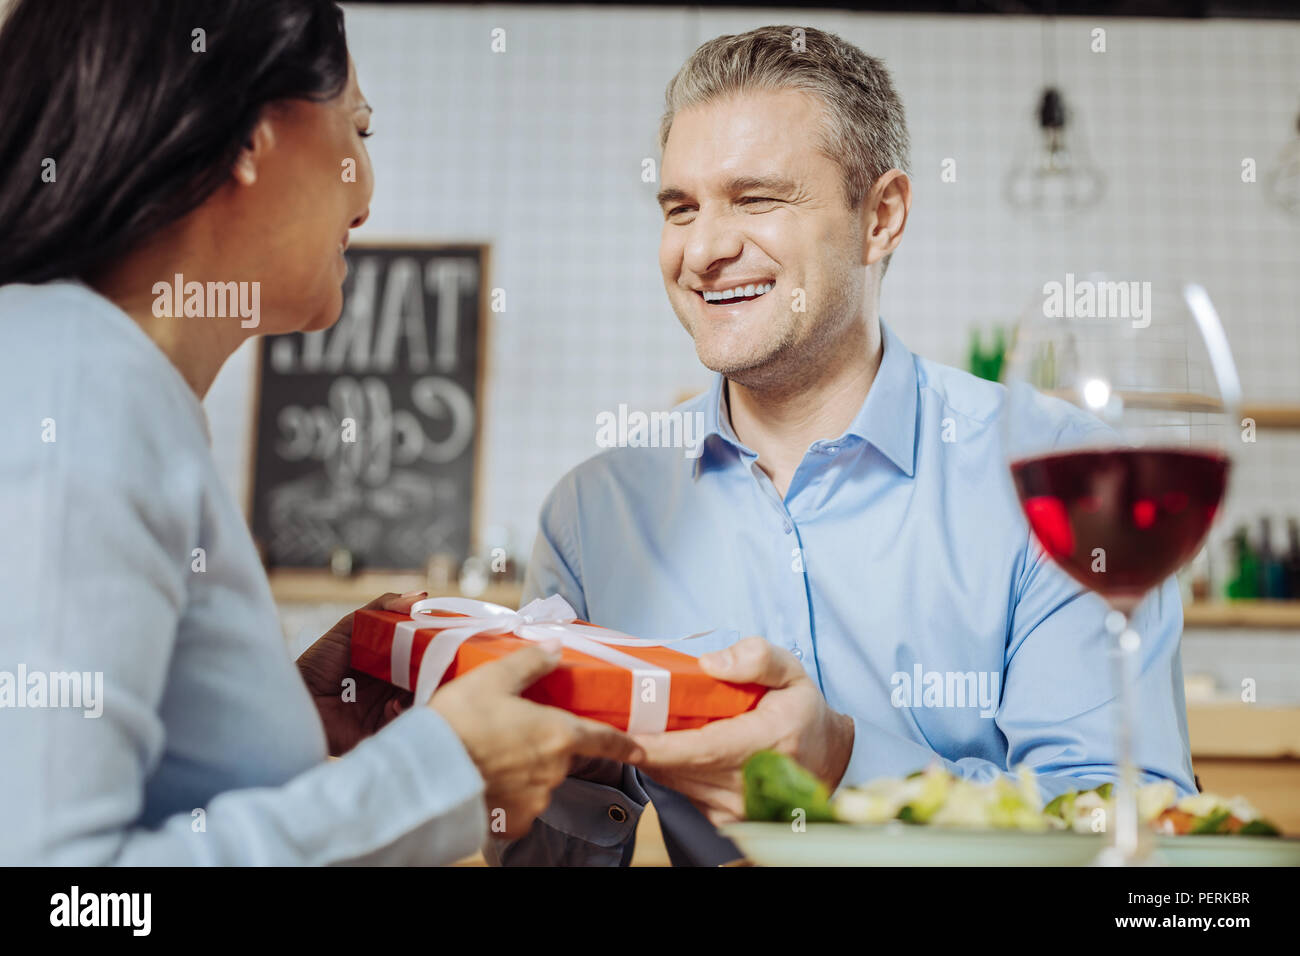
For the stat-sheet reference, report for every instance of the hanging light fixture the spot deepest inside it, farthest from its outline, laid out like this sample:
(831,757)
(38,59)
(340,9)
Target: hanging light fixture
(1055,176)
(1284,180)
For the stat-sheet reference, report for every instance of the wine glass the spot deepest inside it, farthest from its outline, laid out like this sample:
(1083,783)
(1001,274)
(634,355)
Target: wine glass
(1122,411)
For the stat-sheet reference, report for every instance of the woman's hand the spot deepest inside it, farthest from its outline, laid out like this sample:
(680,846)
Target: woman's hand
(522,750)
(327,663)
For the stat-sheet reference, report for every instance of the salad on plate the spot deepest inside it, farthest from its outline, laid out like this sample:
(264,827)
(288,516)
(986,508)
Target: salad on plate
(779,789)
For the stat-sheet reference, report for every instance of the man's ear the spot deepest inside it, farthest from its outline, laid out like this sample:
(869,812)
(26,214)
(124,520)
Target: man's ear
(884,215)
(256,148)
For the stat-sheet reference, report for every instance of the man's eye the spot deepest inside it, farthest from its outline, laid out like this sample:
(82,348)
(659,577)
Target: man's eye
(365,133)
(678,209)
(751,200)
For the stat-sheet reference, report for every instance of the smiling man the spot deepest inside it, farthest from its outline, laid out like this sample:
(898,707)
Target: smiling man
(851,502)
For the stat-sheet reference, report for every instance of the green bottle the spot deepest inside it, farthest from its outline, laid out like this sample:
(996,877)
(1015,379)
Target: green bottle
(1244,583)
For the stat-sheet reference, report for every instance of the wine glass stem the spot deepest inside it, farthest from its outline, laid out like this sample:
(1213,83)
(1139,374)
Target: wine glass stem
(1126,831)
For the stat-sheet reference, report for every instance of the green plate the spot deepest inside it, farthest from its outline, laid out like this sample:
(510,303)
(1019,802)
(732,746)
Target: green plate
(1229,851)
(900,844)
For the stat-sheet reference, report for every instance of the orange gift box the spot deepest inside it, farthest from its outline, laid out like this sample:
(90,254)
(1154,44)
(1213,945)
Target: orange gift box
(581,684)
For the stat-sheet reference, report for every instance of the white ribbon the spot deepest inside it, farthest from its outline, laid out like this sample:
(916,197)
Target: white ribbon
(539,620)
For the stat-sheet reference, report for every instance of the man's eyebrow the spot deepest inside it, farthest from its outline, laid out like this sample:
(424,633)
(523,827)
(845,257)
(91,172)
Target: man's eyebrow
(672,195)
(771,184)
(737,185)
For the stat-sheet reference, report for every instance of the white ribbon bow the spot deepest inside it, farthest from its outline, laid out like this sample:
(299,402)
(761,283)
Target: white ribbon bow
(539,620)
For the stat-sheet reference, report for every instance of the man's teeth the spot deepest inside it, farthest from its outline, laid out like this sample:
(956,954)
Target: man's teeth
(740,292)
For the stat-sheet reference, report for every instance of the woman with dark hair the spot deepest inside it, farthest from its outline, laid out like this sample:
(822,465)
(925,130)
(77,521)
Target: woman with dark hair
(179,176)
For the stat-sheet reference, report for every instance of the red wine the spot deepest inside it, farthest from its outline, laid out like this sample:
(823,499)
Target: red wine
(1121,521)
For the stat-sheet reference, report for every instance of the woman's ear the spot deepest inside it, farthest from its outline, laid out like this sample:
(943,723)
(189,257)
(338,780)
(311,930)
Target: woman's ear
(254,152)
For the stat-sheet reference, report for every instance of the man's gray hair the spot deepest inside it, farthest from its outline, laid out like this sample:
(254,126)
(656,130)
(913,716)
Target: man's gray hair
(865,130)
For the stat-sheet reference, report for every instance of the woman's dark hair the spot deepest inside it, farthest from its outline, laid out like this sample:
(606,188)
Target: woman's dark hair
(143,115)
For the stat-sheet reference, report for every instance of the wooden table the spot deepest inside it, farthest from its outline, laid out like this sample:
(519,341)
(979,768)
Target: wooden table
(1252,751)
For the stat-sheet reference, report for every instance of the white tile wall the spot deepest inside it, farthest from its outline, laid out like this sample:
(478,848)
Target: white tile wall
(1271,659)
(538,151)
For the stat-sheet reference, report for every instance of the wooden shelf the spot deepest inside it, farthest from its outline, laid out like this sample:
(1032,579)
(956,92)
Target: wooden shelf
(1254,614)
(312,587)
(1265,414)
(321,587)
(1243,731)
(1273,416)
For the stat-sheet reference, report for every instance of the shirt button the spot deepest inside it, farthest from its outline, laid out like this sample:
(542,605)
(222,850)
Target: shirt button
(788,527)
(617,813)
(798,654)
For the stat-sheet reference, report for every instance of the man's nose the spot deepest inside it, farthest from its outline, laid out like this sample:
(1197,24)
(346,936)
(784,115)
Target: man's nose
(713,240)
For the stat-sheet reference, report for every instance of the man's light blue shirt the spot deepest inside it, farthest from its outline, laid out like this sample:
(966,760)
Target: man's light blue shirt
(899,552)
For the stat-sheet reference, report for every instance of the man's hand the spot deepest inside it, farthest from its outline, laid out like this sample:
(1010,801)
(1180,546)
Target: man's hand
(326,663)
(792,718)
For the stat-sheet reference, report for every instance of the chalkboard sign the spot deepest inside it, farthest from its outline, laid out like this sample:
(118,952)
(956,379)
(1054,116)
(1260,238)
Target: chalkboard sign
(368,432)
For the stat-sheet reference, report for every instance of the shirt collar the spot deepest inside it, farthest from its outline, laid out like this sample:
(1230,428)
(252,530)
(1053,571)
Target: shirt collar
(886,420)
